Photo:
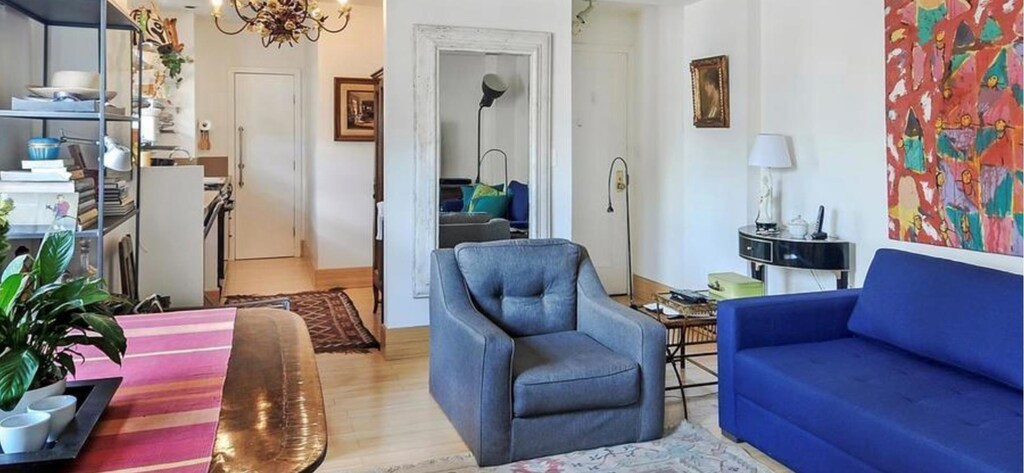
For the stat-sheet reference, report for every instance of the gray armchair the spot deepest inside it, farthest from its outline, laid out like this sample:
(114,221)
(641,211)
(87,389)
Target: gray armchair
(529,356)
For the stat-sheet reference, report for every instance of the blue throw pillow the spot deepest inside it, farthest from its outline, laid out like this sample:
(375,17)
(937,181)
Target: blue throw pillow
(519,209)
(494,205)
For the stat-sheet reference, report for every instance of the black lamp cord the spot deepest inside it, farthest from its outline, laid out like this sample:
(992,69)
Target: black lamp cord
(503,154)
(629,232)
(479,156)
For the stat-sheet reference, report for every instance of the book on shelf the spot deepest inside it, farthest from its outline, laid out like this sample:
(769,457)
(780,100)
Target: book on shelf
(34,176)
(88,218)
(84,206)
(29,187)
(62,164)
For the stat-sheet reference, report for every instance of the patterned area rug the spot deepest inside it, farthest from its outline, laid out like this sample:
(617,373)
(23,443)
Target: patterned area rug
(333,321)
(690,449)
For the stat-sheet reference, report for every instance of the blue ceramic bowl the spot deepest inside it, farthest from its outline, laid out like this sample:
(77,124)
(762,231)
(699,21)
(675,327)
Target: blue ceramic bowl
(43,148)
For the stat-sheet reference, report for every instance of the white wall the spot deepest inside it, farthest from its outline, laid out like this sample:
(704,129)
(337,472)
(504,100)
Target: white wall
(21,42)
(820,82)
(342,180)
(824,85)
(401,308)
(505,125)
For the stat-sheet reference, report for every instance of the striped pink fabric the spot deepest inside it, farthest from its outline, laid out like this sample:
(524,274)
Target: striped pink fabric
(164,416)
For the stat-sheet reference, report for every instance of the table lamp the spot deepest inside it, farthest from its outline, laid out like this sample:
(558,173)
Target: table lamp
(770,151)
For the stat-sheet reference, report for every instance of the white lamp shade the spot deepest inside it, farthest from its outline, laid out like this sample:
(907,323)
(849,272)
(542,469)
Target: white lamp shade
(771,151)
(116,157)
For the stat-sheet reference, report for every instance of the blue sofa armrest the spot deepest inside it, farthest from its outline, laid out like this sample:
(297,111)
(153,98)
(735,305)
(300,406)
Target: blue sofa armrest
(470,364)
(628,333)
(774,321)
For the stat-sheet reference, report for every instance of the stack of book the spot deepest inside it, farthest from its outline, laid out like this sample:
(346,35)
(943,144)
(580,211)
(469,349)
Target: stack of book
(52,192)
(117,200)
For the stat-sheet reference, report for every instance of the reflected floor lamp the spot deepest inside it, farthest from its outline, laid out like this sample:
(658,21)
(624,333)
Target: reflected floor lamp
(493,87)
(629,231)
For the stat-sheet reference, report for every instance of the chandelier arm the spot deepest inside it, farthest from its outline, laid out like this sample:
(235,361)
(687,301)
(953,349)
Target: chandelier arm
(216,22)
(310,38)
(339,30)
(238,12)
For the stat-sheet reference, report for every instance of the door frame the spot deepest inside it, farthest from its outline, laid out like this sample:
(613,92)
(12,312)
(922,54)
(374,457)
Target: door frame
(298,180)
(631,99)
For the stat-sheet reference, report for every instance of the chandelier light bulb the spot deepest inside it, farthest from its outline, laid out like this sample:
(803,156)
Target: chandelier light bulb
(217,4)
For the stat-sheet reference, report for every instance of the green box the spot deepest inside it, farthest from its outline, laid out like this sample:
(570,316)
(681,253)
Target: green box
(733,286)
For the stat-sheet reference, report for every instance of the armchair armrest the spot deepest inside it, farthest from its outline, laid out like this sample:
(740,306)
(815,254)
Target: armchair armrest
(774,321)
(470,364)
(628,333)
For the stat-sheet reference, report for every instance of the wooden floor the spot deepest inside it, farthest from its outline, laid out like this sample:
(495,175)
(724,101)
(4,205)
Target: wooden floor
(380,412)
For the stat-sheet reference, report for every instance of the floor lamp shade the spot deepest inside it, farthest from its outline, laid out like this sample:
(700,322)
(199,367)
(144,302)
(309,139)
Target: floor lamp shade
(771,151)
(493,87)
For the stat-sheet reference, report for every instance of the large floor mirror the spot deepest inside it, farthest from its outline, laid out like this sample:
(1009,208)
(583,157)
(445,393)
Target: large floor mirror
(484,112)
(483,107)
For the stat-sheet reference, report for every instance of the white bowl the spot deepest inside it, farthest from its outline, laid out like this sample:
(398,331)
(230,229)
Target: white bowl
(61,409)
(24,433)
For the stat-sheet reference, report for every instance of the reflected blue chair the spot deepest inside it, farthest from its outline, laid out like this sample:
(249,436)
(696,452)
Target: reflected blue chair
(529,356)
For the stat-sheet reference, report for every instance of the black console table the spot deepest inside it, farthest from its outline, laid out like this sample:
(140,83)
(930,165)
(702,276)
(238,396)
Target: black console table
(787,251)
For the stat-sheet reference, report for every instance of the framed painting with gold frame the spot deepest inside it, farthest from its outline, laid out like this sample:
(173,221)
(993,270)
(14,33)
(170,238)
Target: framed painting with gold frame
(710,92)
(354,109)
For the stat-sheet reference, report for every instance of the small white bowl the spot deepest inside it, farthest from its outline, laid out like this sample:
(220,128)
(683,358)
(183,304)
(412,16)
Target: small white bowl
(61,409)
(24,433)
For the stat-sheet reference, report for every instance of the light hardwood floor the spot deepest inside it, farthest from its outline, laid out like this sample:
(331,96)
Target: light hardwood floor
(380,412)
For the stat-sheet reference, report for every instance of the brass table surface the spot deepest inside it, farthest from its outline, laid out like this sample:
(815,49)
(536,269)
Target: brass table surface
(272,417)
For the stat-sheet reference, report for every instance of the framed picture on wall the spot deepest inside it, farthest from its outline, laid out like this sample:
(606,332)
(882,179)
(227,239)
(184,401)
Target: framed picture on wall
(354,109)
(710,92)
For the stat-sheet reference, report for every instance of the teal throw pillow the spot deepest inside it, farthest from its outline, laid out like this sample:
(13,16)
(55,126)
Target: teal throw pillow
(494,205)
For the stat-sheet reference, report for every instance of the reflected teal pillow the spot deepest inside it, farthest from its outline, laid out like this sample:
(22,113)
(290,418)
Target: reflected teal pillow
(494,205)
(478,190)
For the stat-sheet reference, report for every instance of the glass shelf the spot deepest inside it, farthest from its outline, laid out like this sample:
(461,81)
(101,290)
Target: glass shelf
(37,232)
(78,13)
(88,116)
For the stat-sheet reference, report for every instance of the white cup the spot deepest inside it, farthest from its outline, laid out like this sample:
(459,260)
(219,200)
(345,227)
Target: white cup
(23,433)
(61,410)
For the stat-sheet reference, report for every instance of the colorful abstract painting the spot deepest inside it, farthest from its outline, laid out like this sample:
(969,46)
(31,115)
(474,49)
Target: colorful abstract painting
(954,123)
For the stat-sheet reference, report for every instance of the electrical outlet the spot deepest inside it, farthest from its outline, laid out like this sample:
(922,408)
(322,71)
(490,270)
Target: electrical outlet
(620,180)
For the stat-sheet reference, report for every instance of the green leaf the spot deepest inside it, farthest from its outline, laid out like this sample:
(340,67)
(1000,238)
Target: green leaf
(104,345)
(54,256)
(10,292)
(16,266)
(17,370)
(108,328)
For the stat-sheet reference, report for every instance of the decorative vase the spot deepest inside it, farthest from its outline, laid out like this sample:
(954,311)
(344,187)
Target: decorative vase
(55,389)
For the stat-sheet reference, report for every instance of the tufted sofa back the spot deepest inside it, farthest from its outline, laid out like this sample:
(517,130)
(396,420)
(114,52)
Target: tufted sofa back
(526,287)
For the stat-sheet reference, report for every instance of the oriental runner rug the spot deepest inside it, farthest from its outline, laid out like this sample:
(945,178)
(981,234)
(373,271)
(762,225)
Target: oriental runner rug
(331,317)
(164,416)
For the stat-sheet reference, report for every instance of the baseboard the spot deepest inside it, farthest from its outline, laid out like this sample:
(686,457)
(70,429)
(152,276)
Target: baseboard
(347,278)
(405,343)
(645,289)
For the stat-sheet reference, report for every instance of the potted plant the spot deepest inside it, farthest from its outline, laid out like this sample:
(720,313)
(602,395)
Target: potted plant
(45,314)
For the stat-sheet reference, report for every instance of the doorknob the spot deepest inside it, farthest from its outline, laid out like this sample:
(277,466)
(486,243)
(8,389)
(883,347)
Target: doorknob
(241,157)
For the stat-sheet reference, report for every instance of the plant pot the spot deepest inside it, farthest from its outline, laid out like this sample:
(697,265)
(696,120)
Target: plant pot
(55,389)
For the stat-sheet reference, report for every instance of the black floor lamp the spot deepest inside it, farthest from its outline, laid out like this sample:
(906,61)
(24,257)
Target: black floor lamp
(629,231)
(493,87)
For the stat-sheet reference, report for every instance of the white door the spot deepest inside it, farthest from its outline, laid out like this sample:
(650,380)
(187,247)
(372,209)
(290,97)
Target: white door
(601,122)
(266,149)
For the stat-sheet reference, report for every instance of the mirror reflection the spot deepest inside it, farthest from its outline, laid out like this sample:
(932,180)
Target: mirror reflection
(485,137)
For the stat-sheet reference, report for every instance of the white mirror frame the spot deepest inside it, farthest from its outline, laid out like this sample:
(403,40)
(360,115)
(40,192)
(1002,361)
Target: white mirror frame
(431,41)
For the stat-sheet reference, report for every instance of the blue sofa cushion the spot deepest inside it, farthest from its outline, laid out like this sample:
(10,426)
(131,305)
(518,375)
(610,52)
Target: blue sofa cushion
(569,371)
(892,409)
(964,315)
(526,287)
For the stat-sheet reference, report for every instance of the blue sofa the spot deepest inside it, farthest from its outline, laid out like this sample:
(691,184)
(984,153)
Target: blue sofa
(919,371)
(529,356)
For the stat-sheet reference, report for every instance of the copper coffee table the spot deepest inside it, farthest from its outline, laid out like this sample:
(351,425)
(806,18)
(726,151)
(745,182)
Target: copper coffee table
(272,416)
(696,324)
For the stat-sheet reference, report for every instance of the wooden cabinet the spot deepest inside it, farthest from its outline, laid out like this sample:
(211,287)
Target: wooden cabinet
(378,194)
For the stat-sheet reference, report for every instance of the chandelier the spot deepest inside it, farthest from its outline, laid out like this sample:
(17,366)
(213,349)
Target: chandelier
(282,21)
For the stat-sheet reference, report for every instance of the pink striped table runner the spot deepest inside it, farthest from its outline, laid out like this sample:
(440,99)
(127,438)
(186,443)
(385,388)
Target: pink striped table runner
(164,416)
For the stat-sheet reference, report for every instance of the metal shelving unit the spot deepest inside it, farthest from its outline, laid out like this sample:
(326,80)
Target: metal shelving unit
(102,16)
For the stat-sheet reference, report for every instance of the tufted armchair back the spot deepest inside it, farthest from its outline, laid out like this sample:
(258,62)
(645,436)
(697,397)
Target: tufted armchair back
(526,287)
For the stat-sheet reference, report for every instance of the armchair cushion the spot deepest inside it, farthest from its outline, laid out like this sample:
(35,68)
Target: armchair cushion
(568,371)
(526,287)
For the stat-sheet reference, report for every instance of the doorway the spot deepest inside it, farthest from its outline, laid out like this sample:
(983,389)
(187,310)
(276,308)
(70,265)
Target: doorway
(601,132)
(267,147)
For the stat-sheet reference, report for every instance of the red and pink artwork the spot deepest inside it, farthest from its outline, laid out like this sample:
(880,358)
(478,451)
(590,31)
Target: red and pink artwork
(954,123)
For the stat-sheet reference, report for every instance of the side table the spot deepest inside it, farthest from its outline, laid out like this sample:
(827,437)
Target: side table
(696,324)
